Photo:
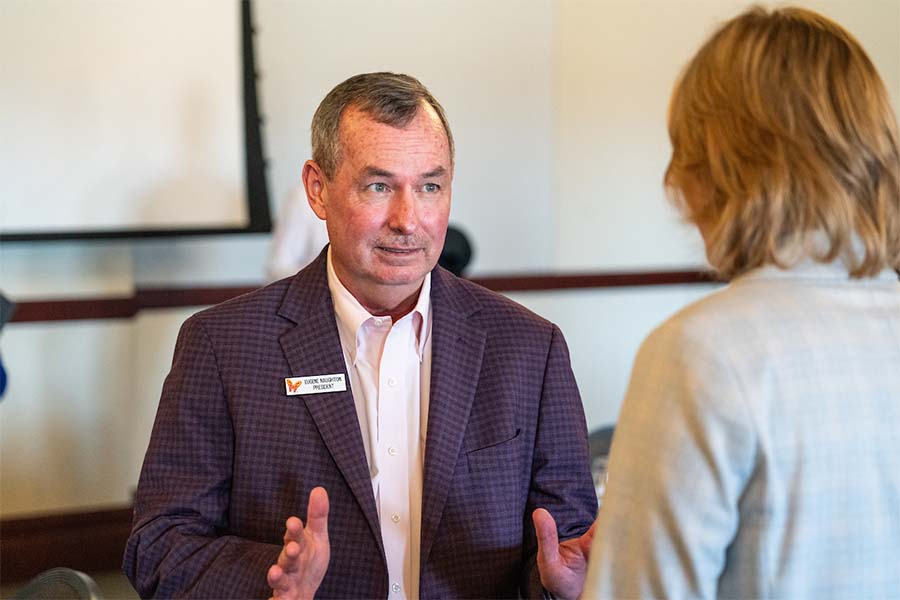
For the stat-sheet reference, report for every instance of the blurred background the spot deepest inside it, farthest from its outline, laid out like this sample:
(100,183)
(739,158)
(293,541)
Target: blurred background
(128,199)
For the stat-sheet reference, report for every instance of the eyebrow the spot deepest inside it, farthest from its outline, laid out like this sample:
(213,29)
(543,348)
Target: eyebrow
(437,172)
(376,172)
(371,171)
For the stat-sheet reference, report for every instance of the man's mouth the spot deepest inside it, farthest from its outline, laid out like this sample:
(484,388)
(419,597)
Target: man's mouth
(398,251)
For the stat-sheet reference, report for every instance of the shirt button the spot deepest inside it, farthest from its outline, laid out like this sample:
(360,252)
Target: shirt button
(392,382)
(395,587)
(392,451)
(395,518)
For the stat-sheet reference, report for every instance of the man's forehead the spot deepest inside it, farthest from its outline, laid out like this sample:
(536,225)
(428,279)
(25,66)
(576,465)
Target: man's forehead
(355,117)
(361,135)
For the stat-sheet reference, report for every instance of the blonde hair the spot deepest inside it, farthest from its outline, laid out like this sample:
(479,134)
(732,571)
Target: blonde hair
(782,118)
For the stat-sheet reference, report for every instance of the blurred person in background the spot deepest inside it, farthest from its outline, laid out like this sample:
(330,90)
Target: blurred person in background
(298,238)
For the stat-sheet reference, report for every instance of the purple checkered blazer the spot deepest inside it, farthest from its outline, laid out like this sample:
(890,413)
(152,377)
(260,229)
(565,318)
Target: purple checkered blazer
(232,456)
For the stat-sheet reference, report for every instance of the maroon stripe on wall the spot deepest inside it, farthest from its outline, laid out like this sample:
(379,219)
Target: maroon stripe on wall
(72,310)
(182,297)
(507,283)
(149,298)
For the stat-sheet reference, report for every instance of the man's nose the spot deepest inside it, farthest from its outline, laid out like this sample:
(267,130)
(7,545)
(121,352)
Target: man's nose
(402,217)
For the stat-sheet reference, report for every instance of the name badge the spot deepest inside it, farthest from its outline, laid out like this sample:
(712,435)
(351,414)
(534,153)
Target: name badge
(315,384)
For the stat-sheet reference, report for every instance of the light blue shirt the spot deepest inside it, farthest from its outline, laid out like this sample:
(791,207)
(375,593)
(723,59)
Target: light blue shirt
(757,453)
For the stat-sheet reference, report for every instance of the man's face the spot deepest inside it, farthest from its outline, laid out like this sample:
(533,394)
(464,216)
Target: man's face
(386,207)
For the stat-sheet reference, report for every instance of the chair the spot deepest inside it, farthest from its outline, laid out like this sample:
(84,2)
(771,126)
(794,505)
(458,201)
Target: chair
(599,442)
(457,251)
(60,584)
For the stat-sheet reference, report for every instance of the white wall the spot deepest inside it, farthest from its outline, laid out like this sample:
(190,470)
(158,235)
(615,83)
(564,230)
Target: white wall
(616,65)
(559,114)
(489,63)
(65,423)
(66,269)
(603,329)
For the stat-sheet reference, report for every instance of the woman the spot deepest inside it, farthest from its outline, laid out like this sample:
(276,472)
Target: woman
(757,451)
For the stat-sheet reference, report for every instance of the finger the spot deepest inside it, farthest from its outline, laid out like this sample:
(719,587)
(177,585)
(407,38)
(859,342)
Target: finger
(276,580)
(287,559)
(547,537)
(293,530)
(317,512)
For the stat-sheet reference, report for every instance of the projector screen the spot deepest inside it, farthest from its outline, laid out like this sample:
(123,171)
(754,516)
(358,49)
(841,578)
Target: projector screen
(128,118)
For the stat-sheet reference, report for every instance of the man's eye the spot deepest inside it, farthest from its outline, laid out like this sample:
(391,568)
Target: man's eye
(431,187)
(378,187)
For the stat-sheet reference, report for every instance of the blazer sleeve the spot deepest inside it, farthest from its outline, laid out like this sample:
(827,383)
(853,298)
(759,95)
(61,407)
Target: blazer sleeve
(560,477)
(176,548)
(684,450)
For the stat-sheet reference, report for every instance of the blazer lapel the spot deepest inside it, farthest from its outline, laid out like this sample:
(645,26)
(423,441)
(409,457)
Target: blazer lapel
(313,347)
(457,348)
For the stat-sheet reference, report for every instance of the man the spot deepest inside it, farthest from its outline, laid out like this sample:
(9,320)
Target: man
(421,418)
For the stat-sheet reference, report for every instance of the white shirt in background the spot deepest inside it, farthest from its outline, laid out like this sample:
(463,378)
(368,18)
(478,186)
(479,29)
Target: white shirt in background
(298,238)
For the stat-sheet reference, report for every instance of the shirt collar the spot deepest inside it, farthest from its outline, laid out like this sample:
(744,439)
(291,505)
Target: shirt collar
(800,248)
(351,315)
(809,269)
(421,313)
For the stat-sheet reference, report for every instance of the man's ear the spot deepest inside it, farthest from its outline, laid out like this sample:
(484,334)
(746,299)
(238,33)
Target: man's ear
(314,181)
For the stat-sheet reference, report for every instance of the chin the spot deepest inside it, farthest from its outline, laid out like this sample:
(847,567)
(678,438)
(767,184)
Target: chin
(404,275)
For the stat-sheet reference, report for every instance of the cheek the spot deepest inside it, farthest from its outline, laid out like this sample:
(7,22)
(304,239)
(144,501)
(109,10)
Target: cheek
(435,218)
(359,225)
(436,230)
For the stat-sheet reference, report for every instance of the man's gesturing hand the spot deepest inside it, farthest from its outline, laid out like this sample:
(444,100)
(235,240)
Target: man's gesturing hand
(562,566)
(304,558)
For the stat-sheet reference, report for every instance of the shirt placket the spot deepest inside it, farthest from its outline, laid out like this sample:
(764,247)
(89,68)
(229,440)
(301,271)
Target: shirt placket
(393,453)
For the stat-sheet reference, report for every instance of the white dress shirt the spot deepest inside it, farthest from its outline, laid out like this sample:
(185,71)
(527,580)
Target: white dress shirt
(390,375)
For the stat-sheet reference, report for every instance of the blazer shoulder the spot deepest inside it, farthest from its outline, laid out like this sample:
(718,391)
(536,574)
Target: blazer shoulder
(497,310)
(258,304)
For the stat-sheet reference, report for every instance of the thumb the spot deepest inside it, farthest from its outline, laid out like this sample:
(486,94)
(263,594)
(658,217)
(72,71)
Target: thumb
(587,540)
(317,512)
(547,537)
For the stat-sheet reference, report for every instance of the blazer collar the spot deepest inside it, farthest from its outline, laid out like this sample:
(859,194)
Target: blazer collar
(308,294)
(313,347)
(810,270)
(456,353)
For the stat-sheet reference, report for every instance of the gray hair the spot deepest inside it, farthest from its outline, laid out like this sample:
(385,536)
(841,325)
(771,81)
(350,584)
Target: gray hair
(389,98)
